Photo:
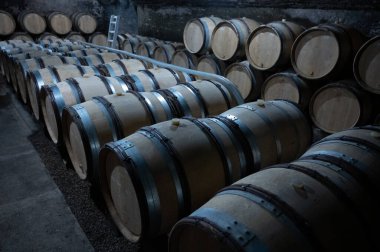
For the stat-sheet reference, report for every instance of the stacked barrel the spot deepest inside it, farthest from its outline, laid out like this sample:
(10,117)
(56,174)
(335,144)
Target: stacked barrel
(55,25)
(166,150)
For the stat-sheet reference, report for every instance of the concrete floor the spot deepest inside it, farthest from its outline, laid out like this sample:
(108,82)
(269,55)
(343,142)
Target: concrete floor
(34,215)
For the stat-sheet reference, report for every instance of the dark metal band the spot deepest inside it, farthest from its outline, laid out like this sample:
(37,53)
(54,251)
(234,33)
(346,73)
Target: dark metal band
(152,78)
(202,103)
(109,114)
(110,88)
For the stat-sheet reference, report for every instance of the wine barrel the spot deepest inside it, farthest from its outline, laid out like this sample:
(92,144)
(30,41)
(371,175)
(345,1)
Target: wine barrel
(163,107)
(53,42)
(247,79)
(16,58)
(325,52)
(287,86)
(84,23)
(339,106)
(74,91)
(179,180)
(75,36)
(367,65)
(356,151)
(66,48)
(28,65)
(51,75)
(146,48)
(8,23)
(32,22)
(211,64)
(198,32)
(229,37)
(99,58)
(164,53)
(98,38)
(59,23)
(48,36)
(55,97)
(269,46)
(238,217)
(21,36)
(184,59)
(84,52)
(11,51)
(129,43)
(121,66)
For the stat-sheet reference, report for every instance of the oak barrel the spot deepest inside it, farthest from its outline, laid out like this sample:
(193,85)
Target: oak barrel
(339,106)
(269,46)
(198,32)
(28,65)
(98,38)
(129,42)
(84,52)
(211,64)
(146,48)
(202,156)
(59,23)
(247,79)
(8,23)
(32,22)
(287,86)
(51,75)
(325,52)
(21,36)
(77,90)
(164,53)
(76,36)
(367,65)
(121,66)
(84,22)
(184,59)
(100,58)
(229,38)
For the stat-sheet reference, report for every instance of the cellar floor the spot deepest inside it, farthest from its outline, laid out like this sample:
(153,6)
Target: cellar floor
(34,215)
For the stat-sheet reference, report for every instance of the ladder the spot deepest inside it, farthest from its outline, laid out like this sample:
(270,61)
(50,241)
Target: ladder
(113,30)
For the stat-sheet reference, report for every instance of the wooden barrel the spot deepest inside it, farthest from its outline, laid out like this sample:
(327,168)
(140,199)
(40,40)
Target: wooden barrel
(121,67)
(247,79)
(211,64)
(55,97)
(146,48)
(98,38)
(76,36)
(179,180)
(84,52)
(8,23)
(51,75)
(47,36)
(53,42)
(11,51)
(109,122)
(184,59)
(339,106)
(32,22)
(129,42)
(367,65)
(356,151)
(287,86)
(269,46)
(164,53)
(283,198)
(28,65)
(198,32)
(84,23)
(325,52)
(99,58)
(59,23)
(66,48)
(229,37)
(163,107)
(13,64)
(21,36)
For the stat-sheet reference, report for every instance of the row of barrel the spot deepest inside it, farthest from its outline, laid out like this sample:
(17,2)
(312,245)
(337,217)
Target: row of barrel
(58,23)
(162,169)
